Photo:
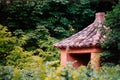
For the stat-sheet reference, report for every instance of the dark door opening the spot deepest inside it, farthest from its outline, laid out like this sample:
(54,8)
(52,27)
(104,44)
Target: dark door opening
(81,59)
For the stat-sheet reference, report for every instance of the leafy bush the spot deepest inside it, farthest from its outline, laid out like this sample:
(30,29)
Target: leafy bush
(45,72)
(112,43)
(83,73)
(39,42)
(6,43)
(18,57)
(6,72)
(6,40)
(13,51)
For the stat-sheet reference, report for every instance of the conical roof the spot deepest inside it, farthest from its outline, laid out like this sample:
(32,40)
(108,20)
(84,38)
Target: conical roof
(89,36)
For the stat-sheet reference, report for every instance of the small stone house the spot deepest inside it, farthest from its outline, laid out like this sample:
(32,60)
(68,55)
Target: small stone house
(84,46)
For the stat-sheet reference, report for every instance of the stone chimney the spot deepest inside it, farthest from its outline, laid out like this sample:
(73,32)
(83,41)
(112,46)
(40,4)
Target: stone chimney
(100,17)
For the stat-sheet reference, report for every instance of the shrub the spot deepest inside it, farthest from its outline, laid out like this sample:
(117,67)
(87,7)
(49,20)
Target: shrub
(6,72)
(112,43)
(39,42)
(7,42)
(45,72)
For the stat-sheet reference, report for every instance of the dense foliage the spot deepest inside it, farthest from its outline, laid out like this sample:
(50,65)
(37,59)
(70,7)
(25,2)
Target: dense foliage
(60,17)
(112,44)
(6,43)
(44,72)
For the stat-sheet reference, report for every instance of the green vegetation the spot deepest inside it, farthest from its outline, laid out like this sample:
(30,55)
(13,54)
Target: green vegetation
(60,17)
(29,28)
(6,43)
(44,72)
(112,43)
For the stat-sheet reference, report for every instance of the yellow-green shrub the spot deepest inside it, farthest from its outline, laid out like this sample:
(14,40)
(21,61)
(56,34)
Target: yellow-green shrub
(45,72)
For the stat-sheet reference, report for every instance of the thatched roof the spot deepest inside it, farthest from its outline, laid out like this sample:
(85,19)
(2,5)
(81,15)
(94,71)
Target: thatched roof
(89,36)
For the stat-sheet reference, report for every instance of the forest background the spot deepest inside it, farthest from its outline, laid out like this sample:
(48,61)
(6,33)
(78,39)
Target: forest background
(29,28)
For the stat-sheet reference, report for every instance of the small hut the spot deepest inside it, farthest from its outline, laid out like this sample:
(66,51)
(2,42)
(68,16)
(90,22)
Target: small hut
(84,46)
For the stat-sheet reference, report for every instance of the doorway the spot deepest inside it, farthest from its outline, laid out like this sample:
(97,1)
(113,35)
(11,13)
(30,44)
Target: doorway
(80,59)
